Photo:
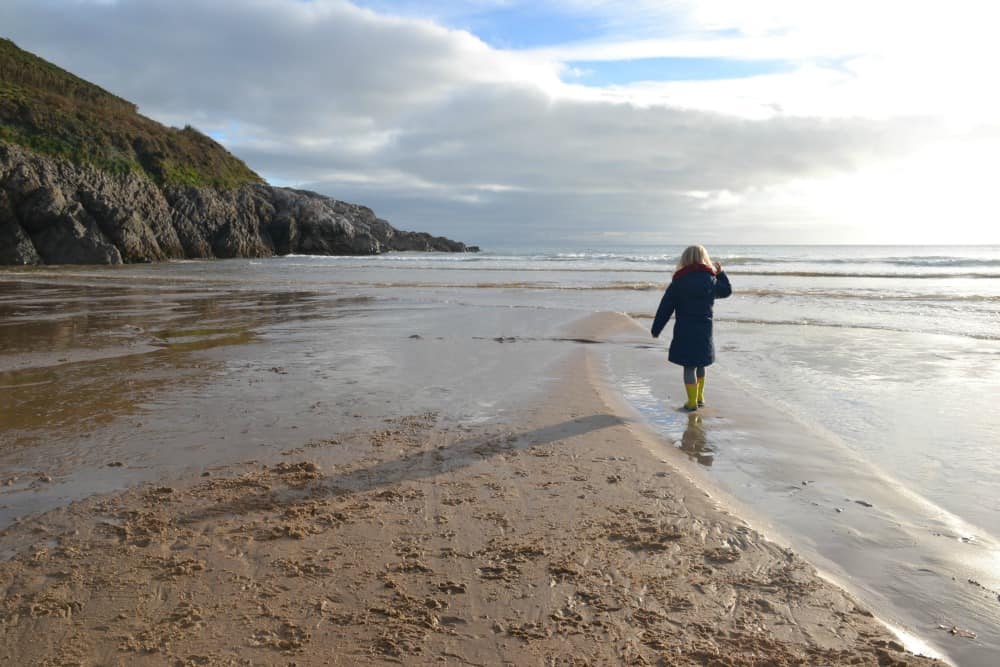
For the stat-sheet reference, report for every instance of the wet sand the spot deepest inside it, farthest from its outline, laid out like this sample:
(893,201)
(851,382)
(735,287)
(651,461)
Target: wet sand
(559,532)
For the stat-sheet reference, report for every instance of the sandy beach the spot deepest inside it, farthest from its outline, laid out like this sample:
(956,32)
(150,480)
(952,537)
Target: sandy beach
(563,534)
(375,332)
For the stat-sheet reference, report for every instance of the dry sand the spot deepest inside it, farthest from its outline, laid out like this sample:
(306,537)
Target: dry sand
(561,539)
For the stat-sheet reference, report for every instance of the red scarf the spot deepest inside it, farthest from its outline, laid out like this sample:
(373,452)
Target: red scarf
(693,268)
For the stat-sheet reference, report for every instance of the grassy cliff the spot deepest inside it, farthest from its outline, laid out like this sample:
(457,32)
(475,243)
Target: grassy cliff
(53,112)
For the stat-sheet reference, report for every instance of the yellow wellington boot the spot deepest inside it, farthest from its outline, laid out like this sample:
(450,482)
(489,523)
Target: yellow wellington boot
(692,393)
(701,392)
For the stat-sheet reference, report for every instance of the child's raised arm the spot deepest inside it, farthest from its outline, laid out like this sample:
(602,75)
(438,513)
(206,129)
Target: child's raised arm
(723,288)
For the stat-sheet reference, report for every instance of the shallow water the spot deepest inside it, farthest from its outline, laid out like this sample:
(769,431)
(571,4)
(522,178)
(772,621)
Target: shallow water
(835,390)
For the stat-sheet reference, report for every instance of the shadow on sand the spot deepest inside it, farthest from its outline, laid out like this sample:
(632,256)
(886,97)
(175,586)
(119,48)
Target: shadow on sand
(417,466)
(465,452)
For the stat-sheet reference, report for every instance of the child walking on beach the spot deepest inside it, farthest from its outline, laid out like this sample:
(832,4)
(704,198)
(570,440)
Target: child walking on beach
(690,296)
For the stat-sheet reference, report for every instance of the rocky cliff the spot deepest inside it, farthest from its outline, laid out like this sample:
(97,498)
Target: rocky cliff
(86,179)
(55,212)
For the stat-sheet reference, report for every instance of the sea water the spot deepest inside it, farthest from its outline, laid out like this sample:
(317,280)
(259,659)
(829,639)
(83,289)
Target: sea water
(855,389)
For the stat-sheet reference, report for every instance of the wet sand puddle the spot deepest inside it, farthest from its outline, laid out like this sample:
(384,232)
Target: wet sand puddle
(91,381)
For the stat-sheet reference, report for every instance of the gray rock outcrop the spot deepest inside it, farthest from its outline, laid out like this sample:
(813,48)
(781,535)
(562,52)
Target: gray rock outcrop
(54,212)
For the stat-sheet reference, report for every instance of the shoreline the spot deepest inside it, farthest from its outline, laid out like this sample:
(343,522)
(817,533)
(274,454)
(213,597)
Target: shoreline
(698,448)
(427,541)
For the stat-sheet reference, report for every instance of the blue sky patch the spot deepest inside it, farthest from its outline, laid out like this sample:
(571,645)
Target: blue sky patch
(527,28)
(612,72)
(514,26)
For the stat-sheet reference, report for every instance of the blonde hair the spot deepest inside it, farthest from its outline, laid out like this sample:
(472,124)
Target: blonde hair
(695,254)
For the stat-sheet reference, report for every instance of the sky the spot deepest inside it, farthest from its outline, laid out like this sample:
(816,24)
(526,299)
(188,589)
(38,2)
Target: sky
(583,122)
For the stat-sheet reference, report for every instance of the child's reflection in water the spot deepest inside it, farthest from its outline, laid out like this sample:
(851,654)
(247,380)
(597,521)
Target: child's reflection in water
(694,442)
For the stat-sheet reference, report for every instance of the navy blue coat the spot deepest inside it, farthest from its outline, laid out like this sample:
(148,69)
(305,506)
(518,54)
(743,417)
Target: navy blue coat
(690,296)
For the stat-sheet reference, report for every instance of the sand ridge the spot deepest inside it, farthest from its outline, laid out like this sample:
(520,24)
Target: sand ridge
(555,540)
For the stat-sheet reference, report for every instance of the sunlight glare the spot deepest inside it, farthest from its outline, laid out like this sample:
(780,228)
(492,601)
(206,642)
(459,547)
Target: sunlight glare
(944,193)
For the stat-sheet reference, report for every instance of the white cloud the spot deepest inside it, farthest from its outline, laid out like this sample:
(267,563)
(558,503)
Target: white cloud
(851,57)
(436,130)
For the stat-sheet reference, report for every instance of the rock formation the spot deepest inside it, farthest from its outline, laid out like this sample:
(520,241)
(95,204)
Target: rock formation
(55,212)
